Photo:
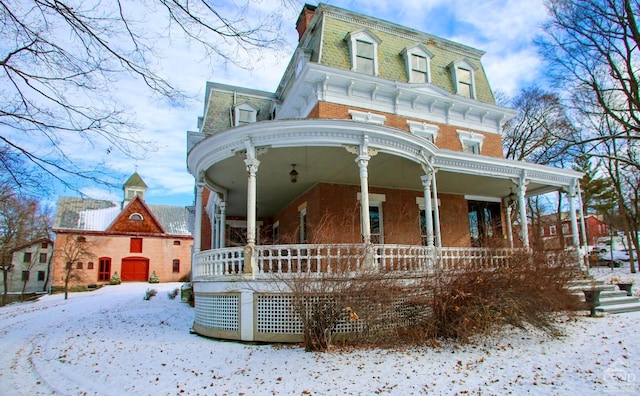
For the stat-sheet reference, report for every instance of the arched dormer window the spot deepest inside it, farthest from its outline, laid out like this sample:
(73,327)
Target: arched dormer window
(244,113)
(363,49)
(136,217)
(417,60)
(463,75)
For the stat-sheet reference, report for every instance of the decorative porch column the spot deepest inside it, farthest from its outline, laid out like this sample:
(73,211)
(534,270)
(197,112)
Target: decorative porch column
(214,226)
(426,184)
(223,224)
(507,210)
(436,210)
(252,165)
(363,161)
(524,224)
(572,215)
(197,233)
(583,229)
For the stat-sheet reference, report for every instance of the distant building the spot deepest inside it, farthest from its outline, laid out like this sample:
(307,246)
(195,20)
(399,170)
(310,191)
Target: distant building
(30,267)
(131,237)
(552,231)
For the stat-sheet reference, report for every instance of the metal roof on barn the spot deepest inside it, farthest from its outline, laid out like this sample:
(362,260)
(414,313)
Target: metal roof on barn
(83,214)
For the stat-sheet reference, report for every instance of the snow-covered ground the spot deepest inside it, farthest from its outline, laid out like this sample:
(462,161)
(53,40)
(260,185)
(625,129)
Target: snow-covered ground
(112,342)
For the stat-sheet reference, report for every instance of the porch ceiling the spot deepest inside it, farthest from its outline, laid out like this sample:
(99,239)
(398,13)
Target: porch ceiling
(335,165)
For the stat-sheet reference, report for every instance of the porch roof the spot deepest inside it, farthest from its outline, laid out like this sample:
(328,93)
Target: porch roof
(323,151)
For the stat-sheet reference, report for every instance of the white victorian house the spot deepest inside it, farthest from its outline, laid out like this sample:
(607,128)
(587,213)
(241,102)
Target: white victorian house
(380,138)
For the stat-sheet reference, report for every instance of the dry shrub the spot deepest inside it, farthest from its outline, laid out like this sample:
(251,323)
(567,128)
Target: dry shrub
(366,307)
(527,290)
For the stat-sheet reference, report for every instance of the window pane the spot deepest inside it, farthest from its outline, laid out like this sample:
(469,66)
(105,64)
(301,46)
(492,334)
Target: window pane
(244,116)
(43,258)
(418,62)
(41,276)
(464,76)
(364,49)
(374,219)
(464,89)
(364,66)
(418,76)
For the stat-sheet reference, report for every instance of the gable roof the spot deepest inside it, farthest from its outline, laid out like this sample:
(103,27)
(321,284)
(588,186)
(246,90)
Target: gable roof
(148,222)
(31,243)
(84,214)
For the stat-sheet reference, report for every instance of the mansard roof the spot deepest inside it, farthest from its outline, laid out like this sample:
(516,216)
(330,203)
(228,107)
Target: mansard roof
(219,98)
(329,48)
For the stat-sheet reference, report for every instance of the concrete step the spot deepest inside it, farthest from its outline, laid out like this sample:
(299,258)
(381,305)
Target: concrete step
(612,294)
(604,288)
(619,308)
(618,300)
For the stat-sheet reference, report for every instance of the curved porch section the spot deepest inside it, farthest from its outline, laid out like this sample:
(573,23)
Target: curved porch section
(243,293)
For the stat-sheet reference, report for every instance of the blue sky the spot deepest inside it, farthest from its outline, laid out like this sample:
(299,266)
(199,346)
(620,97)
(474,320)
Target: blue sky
(503,29)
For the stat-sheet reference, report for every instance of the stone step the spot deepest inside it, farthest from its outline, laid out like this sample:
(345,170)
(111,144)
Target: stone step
(619,308)
(619,300)
(612,294)
(604,288)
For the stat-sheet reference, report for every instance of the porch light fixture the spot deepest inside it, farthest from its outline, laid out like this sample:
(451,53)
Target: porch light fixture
(512,196)
(293,175)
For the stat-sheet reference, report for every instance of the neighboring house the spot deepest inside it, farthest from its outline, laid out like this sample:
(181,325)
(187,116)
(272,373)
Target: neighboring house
(131,237)
(378,136)
(31,264)
(551,230)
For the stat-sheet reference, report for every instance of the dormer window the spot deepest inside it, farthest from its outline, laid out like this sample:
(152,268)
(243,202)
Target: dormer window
(462,73)
(417,60)
(424,130)
(244,113)
(363,46)
(471,141)
(136,217)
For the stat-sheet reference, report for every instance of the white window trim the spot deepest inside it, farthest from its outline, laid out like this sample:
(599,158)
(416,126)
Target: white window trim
(419,50)
(368,37)
(303,234)
(553,230)
(367,117)
(468,138)
(424,130)
(464,64)
(422,206)
(253,112)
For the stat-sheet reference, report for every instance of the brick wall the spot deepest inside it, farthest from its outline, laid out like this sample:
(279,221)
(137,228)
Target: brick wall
(447,135)
(161,251)
(333,216)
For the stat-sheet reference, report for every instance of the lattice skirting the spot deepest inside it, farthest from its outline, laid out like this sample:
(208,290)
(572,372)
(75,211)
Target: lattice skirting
(274,317)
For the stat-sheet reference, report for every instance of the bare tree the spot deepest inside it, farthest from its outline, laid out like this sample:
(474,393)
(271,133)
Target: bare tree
(20,222)
(74,250)
(541,133)
(592,49)
(59,60)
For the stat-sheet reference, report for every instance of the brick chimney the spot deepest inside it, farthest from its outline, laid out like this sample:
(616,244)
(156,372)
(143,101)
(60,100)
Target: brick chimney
(304,19)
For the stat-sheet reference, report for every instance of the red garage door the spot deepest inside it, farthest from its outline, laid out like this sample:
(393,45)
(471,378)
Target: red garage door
(135,269)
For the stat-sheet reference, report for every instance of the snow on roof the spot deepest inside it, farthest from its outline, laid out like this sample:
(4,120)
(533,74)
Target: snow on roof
(83,214)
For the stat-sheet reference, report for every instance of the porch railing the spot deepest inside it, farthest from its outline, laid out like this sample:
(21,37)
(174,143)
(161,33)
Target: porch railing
(318,258)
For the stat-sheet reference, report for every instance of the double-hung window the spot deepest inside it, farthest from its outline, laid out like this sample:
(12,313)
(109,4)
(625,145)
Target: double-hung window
(417,61)
(463,74)
(363,48)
